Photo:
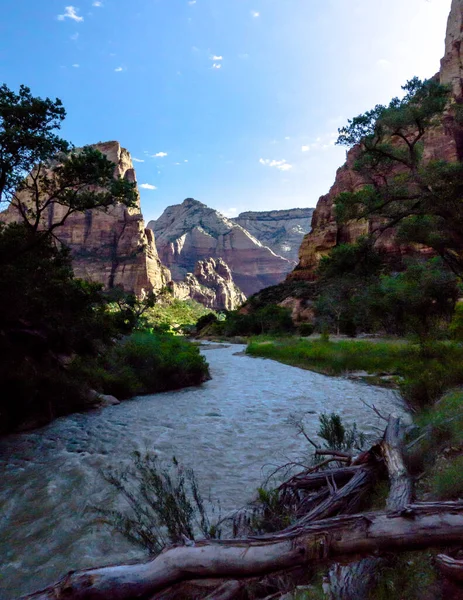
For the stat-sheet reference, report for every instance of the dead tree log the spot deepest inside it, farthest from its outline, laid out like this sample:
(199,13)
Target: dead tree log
(353,582)
(418,526)
(452,568)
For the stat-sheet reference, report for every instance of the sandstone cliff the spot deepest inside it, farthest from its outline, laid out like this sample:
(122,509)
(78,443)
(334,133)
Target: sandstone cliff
(111,247)
(444,142)
(280,230)
(188,232)
(211,284)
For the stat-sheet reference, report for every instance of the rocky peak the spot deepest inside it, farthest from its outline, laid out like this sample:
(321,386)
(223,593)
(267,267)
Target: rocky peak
(280,230)
(189,232)
(211,284)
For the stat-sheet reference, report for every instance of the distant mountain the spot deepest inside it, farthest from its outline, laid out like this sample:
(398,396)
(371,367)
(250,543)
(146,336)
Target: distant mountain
(188,232)
(280,230)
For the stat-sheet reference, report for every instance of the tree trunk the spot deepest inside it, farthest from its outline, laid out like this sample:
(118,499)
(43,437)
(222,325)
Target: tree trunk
(419,526)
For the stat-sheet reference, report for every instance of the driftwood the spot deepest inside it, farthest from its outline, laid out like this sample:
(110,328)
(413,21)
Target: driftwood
(325,532)
(353,582)
(418,526)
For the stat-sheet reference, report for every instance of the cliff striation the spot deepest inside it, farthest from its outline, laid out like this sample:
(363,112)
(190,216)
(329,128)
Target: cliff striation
(280,230)
(191,231)
(110,247)
(211,284)
(444,142)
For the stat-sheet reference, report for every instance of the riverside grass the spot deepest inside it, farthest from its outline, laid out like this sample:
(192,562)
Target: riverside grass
(422,373)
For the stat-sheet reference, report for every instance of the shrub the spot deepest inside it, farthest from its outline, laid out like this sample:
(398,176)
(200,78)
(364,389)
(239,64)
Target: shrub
(146,363)
(163,504)
(447,483)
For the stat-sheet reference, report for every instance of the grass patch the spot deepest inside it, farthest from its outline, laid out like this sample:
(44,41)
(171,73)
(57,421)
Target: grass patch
(145,363)
(423,374)
(447,482)
(410,575)
(332,358)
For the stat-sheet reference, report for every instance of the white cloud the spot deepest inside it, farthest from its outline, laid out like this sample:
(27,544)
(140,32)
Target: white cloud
(159,155)
(70,13)
(287,137)
(305,148)
(281,165)
(191,2)
(97,3)
(75,37)
(76,65)
(137,159)
(186,160)
(148,186)
(216,66)
(118,69)
(243,56)
(255,14)
(216,57)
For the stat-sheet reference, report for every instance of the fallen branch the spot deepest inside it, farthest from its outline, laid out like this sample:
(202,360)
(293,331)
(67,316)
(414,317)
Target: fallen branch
(418,526)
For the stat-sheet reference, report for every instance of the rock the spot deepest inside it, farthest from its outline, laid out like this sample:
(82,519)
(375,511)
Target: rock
(280,230)
(111,247)
(443,142)
(211,284)
(98,400)
(191,231)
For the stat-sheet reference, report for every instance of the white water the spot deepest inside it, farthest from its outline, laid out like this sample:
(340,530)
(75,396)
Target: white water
(227,430)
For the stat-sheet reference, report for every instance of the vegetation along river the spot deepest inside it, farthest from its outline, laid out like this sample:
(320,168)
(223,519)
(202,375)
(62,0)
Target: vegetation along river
(227,430)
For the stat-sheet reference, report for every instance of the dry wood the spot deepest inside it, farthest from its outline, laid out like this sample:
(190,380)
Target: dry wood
(419,526)
(353,582)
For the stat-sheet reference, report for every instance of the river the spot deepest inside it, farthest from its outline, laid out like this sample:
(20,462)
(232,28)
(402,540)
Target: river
(227,430)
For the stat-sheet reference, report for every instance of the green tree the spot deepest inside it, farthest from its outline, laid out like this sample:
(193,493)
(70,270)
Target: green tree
(420,198)
(40,171)
(420,299)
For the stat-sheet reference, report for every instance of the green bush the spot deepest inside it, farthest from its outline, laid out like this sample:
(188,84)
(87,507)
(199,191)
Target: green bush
(146,363)
(447,483)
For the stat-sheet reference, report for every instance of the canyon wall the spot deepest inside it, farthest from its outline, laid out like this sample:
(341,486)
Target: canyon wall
(191,231)
(110,247)
(444,142)
(280,230)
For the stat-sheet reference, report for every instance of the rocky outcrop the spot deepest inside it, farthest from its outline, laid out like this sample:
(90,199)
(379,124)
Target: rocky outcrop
(444,142)
(191,231)
(111,247)
(280,230)
(211,284)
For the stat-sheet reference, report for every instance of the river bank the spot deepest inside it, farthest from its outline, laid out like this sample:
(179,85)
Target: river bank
(227,430)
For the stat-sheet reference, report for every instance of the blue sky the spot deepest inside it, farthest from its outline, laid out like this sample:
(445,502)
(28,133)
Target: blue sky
(233,102)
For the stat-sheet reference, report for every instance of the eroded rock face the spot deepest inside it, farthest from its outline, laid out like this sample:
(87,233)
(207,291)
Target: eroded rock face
(211,284)
(191,231)
(111,247)
(280,230)
(444,142)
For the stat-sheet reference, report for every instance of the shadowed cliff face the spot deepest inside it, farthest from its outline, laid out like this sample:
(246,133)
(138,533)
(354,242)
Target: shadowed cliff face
(280,230)
(444,142)
(188,232)
(110,247)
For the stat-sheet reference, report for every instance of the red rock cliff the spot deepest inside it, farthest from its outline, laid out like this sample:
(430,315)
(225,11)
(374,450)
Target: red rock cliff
(445,142)
(112,247)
